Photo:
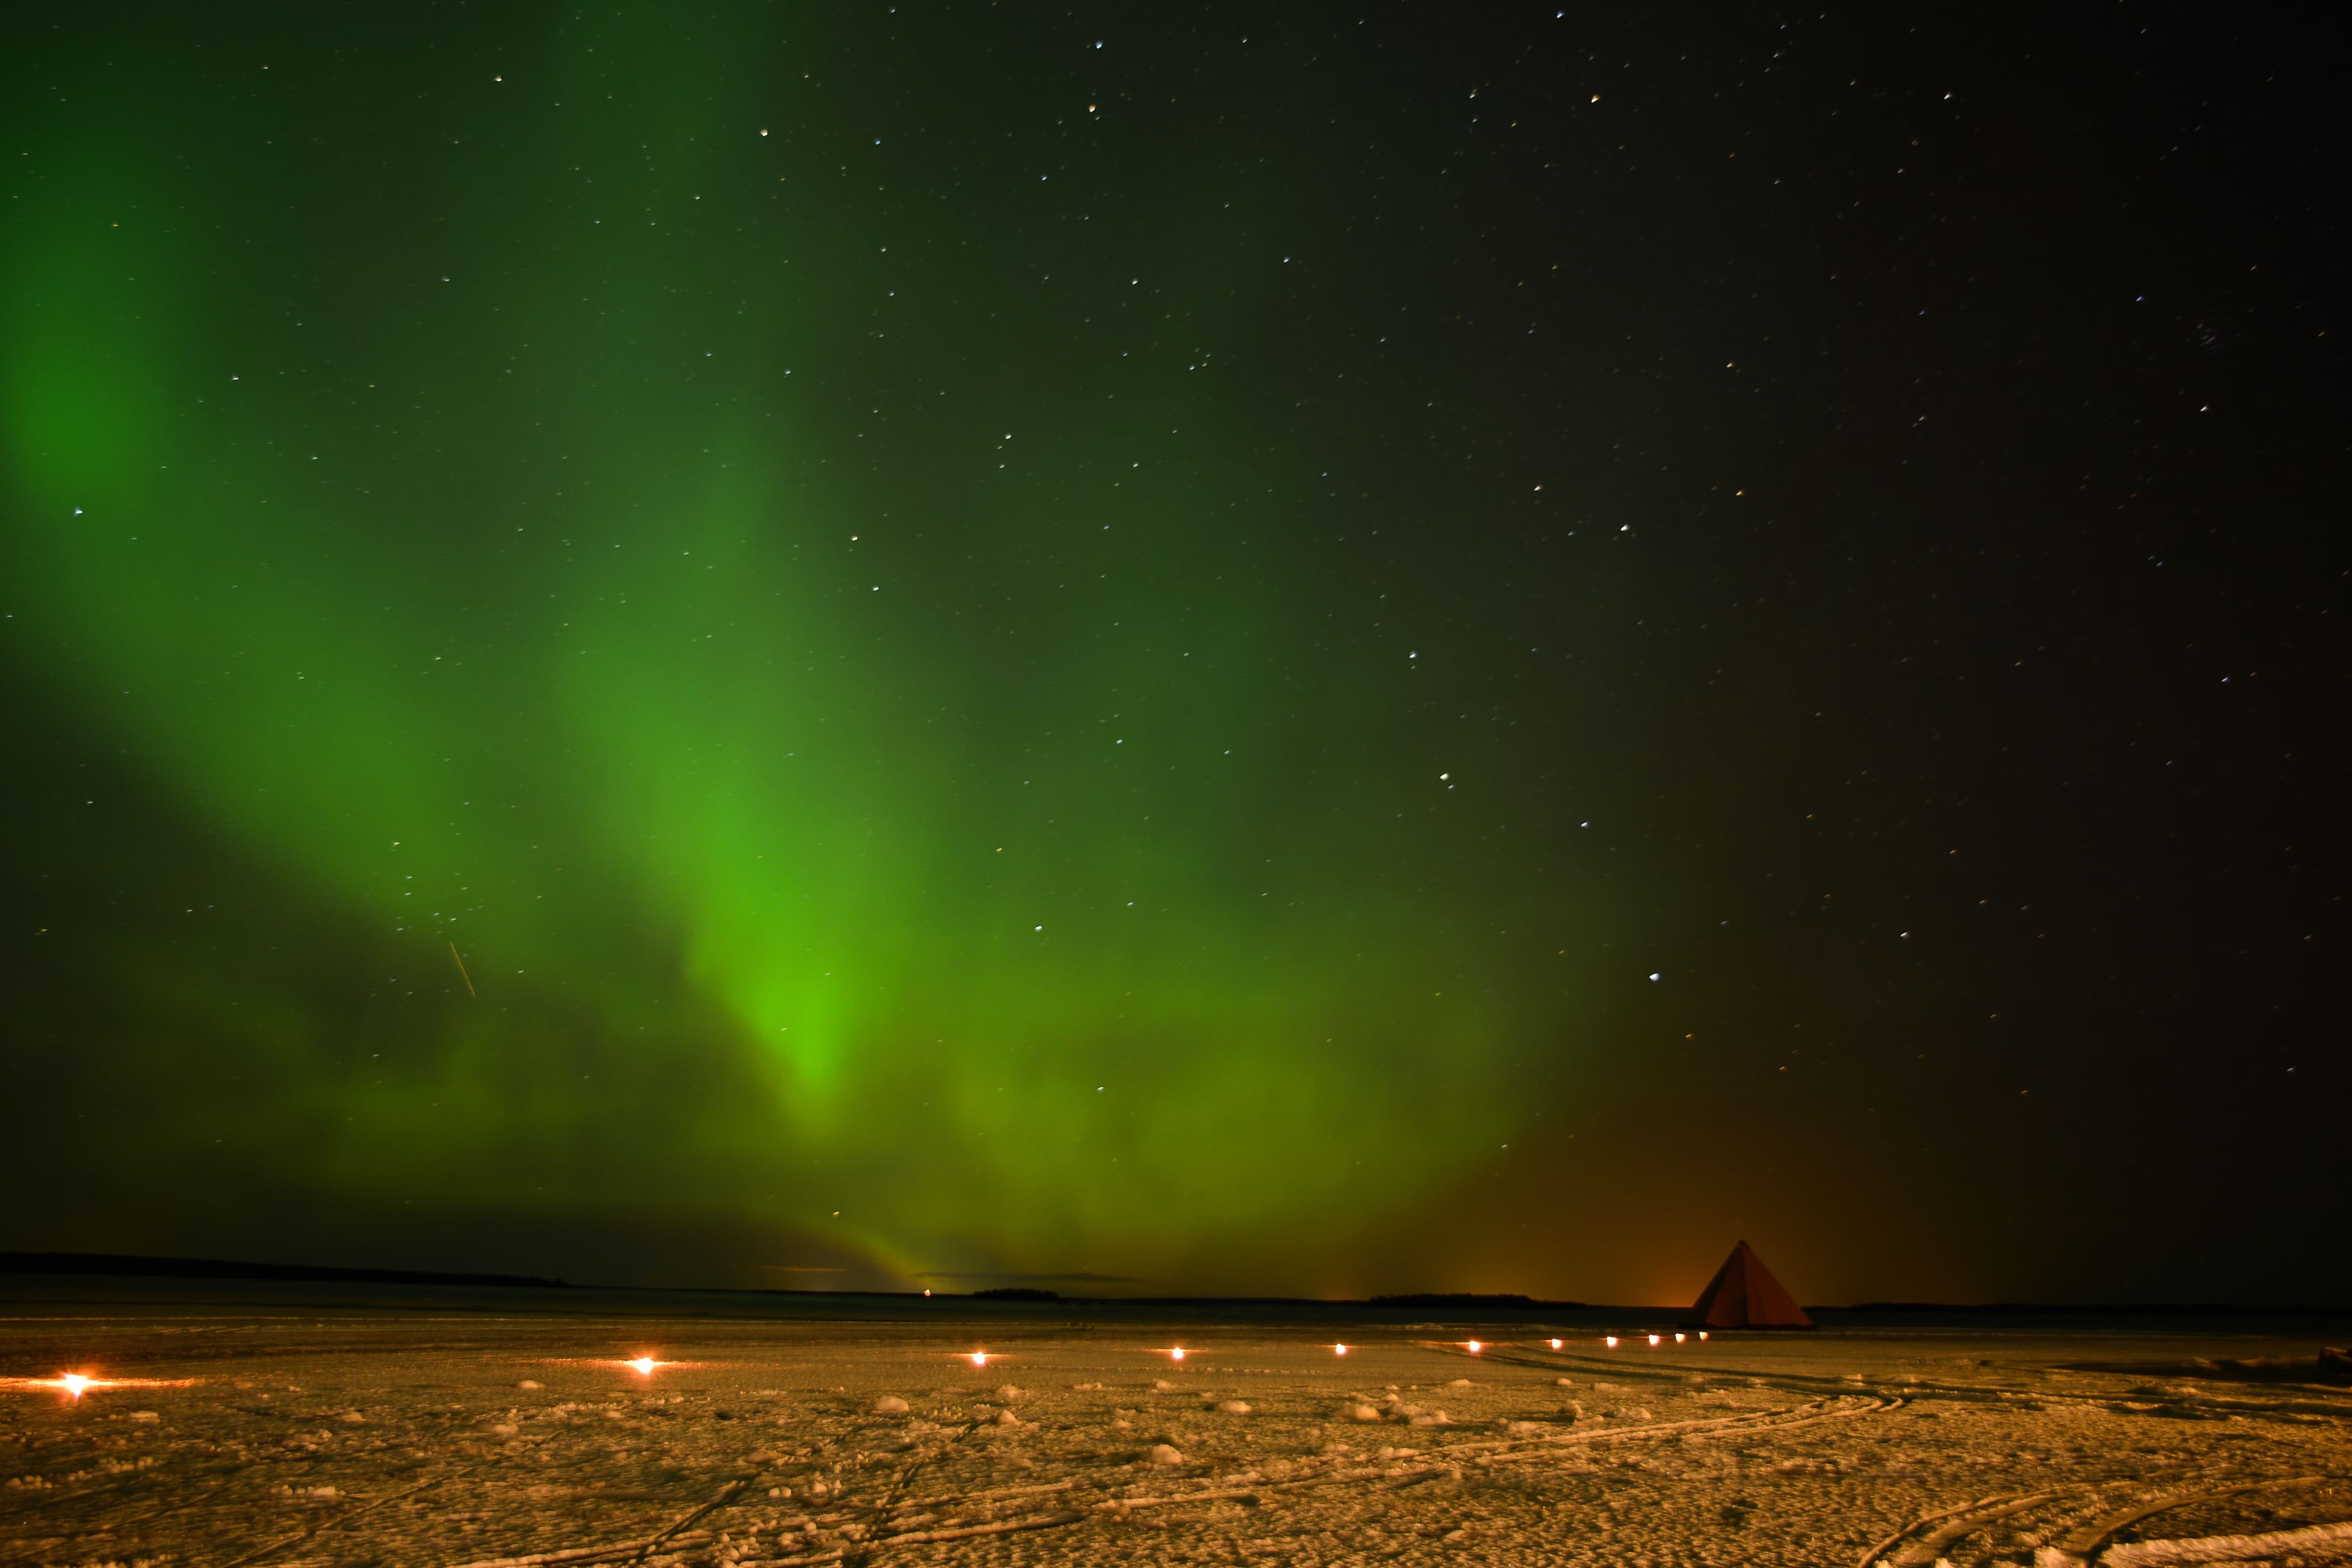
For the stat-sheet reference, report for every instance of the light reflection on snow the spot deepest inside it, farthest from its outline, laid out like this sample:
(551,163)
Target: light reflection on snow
(74,1385)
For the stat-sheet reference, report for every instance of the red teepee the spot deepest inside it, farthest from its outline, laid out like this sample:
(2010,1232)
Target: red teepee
(1743,1294)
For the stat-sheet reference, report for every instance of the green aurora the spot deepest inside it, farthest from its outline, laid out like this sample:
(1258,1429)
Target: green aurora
(837,664)
(1204,650)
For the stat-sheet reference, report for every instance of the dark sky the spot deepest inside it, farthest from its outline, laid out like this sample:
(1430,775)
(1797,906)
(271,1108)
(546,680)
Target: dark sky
(1281,649)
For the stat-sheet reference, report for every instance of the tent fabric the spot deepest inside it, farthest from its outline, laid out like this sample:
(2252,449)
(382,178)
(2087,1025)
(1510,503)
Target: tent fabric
(1743,1294)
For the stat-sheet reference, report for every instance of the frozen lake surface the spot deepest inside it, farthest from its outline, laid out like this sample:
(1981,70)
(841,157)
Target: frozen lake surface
(454,1428)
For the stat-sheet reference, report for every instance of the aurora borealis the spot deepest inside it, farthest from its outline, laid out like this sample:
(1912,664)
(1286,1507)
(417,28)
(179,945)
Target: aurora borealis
(1177,650)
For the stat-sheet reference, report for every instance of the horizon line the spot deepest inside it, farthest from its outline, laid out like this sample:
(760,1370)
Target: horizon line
(122,1264)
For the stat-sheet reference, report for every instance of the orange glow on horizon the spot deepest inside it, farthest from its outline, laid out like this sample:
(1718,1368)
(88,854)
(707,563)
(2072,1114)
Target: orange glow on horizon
(644,1365)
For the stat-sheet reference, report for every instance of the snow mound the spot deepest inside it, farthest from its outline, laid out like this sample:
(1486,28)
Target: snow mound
(1163,1453)
(890,1405)
(1359,1412)
(530,1383)
(1433,1418)
(1234,1407)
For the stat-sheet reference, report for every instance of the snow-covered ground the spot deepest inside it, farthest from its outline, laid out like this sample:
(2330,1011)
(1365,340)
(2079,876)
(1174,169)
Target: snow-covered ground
(217,1440)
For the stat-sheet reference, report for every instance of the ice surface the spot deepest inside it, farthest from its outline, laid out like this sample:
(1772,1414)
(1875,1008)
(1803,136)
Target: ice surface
(485,1438)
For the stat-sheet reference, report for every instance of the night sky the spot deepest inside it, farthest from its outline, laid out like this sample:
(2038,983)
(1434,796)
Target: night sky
(1153,649)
